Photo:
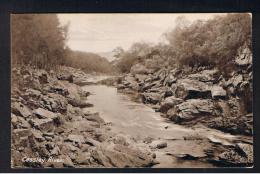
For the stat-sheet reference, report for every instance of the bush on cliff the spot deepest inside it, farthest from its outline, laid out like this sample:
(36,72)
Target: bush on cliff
(211,43)
(214,42)
(132,56)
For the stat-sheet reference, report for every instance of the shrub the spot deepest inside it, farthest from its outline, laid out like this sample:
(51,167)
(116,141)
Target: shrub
(37,40)
(211,43)
(88,62)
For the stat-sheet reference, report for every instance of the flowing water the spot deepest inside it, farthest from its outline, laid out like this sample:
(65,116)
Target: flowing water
(140,121)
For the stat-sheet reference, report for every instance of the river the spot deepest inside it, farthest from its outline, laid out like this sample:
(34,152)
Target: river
(137,120)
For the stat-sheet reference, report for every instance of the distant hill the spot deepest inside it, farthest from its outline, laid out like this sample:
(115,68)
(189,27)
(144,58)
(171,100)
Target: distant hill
(88,62)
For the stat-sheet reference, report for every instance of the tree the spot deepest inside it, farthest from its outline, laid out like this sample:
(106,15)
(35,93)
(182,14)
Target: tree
(118,51)
(37,40)
(88,62)
(211,43)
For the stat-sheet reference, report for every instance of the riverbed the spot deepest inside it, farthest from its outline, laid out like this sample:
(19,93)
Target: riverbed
(137,120)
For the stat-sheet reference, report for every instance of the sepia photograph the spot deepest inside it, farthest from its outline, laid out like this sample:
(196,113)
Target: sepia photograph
(131,90)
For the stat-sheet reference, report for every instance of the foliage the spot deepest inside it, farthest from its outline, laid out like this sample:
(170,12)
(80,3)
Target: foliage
(211,43)
(132,56)
(88,62)
(118,51)
(37,40)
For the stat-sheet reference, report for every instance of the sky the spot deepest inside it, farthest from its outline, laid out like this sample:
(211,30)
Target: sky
(103,32)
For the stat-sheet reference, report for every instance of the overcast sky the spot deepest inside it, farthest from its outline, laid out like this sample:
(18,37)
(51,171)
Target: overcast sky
(104,32)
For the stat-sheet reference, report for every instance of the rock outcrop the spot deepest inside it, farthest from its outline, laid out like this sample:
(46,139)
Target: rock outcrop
(50,129)
(200,94)
(191,109)
(240,156)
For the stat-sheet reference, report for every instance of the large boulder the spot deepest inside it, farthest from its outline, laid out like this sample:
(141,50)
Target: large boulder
(66,77)
(32,98)
(19,122)
(159,144)
(162,74)
(244,56)
(54,102)
(59,90)
(115,155)
(67,162)
(130,82)
(21,110)
(43,113)
(74,111)
(241,85)
(170,79)
(26,77)
(218,92)
(79,139)
(241,156)
(79,103)
(94,117)
(37,135)
(21,133)
(235,81)
(246,150)
(235,125)
(157,89)
(204,76)
(149,85)
(42,124)
(192,89)
(168,103)
(128,79)
(191,109)
(32,94)
(20,137)
(151,98)
(83,158)
(140,77)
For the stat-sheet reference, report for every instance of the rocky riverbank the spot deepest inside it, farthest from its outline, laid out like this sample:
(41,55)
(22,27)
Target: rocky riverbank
(50,129)
(53,124)
(200,96)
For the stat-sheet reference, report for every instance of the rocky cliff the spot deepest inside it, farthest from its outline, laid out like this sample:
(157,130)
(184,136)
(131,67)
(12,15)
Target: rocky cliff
(198,95)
